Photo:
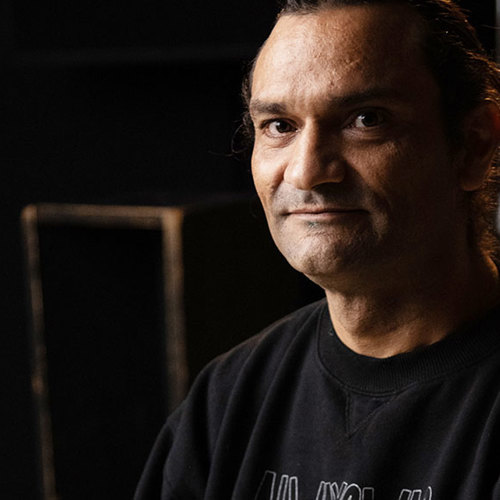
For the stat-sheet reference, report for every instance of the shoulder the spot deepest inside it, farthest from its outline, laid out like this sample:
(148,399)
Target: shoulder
(267,348)
(225,398)
(244,374)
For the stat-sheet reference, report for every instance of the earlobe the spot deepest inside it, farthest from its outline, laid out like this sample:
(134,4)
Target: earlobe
(481,141)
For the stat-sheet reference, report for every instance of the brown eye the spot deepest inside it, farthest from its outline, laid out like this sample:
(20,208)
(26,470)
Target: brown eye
(279,127)
(368,119)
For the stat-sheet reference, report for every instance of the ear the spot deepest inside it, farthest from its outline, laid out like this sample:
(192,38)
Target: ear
(481,140)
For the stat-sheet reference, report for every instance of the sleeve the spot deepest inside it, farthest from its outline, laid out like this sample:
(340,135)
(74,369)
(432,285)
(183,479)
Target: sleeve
(179,463)
(151,485)
(191,449)
(496,490)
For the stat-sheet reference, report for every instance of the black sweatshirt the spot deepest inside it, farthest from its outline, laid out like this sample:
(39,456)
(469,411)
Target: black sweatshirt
(293,414)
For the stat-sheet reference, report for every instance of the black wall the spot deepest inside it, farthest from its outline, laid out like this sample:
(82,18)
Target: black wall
(114,101)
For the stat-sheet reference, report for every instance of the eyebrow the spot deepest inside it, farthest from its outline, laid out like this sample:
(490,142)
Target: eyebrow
(258,106)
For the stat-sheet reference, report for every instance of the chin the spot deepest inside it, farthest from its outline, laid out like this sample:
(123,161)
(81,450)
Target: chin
(330,262)
(322,265)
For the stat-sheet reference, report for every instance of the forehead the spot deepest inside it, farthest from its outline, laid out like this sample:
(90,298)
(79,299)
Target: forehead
(337,47)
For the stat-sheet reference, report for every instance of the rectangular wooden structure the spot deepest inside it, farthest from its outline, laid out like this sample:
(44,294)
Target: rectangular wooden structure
(127,304)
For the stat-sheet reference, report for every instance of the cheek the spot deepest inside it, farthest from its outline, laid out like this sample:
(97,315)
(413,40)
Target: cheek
(397,167)
(381,172)
(411,184)
(266,176)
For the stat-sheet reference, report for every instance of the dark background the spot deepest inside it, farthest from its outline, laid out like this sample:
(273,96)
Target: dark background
(113,101)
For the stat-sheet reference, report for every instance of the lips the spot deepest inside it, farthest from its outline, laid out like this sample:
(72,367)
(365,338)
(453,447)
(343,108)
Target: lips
(324,215)
(322,210)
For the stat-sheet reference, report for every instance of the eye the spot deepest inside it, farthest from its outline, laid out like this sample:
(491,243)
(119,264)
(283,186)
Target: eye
(276,128)
(368,119)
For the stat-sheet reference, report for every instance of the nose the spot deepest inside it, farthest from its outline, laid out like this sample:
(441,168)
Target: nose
(315,159)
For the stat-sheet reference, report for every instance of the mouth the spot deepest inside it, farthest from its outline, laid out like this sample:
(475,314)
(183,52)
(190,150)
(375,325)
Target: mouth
(325,214)
(320,211)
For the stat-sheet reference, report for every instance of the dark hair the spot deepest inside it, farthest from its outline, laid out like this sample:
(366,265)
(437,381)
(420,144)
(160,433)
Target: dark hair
(464,73)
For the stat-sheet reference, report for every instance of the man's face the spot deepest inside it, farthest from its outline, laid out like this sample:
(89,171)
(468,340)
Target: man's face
(351,160)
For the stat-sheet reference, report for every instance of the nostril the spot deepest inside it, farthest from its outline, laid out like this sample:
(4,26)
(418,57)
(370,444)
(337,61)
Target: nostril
(307,174)
(315,158)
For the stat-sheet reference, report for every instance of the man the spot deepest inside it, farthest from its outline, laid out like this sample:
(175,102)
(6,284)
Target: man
(375,125)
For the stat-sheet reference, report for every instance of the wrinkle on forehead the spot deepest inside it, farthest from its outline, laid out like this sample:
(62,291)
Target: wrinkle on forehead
(345,41)
(398,19)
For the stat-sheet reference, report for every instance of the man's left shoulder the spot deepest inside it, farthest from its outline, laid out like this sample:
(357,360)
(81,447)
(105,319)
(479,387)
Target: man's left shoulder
(280,336)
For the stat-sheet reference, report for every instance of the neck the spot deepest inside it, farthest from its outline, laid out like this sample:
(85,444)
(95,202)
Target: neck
(401,316)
